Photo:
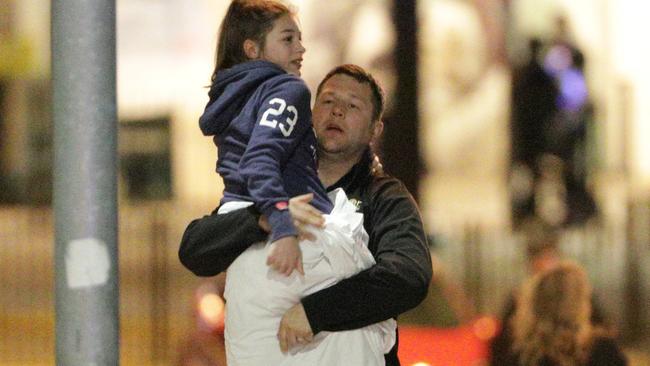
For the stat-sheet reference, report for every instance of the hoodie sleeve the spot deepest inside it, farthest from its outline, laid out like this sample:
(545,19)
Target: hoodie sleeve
(283,118)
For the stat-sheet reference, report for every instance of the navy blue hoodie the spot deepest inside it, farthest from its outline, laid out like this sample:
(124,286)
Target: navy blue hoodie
(260,118)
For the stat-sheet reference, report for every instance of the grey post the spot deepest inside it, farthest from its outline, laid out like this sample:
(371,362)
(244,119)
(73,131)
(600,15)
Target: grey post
(85,182)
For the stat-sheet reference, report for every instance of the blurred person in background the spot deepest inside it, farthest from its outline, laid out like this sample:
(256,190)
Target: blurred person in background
(552,325)
(542,255)
(551,114)
(566,136)
(347,120)
(534,95)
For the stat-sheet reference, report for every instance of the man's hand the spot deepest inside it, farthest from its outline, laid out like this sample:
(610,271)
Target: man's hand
(294,328)
(285,256)
(304,214)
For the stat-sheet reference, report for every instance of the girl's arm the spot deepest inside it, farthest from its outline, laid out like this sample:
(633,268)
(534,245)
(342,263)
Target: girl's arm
(283,119)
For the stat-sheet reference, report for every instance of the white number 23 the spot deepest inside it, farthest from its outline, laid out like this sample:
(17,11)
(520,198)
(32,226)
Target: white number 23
(277,108)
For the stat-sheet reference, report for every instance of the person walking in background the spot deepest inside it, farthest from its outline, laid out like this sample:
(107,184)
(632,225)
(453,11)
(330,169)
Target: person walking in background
(534,95)
(566,137)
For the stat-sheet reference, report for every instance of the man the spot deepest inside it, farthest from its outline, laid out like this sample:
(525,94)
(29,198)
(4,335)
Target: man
(347,118)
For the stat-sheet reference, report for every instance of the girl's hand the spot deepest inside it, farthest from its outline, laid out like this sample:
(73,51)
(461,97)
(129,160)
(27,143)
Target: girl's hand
(285,256)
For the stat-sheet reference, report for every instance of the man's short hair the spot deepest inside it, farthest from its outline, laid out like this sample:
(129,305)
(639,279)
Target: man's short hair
(362,76)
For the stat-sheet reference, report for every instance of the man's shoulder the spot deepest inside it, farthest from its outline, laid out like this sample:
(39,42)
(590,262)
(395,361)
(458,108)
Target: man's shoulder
(387,195)
(384,186)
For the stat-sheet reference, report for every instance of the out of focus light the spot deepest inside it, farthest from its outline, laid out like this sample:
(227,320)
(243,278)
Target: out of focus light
(485,328)
(211,309)
(421,364)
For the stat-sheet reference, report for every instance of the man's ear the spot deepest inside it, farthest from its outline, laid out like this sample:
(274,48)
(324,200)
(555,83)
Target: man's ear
(251,49)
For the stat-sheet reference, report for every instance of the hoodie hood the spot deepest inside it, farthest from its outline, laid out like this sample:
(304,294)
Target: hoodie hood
(230,92)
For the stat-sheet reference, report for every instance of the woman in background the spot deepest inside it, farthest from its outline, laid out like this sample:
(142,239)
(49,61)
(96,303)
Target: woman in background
(552,323)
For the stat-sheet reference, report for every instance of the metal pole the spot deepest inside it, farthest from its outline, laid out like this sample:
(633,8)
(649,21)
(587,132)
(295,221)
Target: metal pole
(85,182)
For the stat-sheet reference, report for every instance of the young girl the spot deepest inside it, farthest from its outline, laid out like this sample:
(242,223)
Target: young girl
(259,114)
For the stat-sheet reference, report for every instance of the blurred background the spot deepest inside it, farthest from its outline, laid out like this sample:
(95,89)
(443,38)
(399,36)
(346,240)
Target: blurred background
(499,110)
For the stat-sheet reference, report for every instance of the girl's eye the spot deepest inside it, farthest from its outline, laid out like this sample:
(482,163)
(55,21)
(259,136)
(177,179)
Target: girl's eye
(288,39)
(354,106)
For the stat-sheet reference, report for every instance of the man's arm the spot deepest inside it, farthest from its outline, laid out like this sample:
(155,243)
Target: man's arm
(210,244)
(400,279)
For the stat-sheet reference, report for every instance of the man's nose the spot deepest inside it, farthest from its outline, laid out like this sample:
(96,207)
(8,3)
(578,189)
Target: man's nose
(338,110)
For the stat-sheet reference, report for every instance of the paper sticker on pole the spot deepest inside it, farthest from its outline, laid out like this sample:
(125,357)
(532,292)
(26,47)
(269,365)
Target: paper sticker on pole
(86,263)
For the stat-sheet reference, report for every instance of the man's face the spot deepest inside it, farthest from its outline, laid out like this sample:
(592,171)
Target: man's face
(342,117)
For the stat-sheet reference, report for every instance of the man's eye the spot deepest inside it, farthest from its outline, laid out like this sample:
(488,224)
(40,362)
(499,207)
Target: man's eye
(353,106)
(288,39)
(327,101)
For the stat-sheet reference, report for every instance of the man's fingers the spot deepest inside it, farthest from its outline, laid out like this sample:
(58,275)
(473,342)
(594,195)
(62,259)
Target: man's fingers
(292,340)
(302,211)
(308,214)
(287,338)
(306,198)
(294,329)
(304,339)
(282,337)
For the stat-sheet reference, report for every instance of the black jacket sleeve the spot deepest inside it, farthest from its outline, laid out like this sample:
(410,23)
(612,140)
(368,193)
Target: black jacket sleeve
(396,283)
(210,244)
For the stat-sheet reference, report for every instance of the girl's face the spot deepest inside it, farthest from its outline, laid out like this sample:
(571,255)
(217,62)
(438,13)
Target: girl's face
(283,45)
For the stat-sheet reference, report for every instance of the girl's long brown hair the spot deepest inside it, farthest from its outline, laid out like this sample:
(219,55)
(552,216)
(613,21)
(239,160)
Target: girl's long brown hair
(245,19)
